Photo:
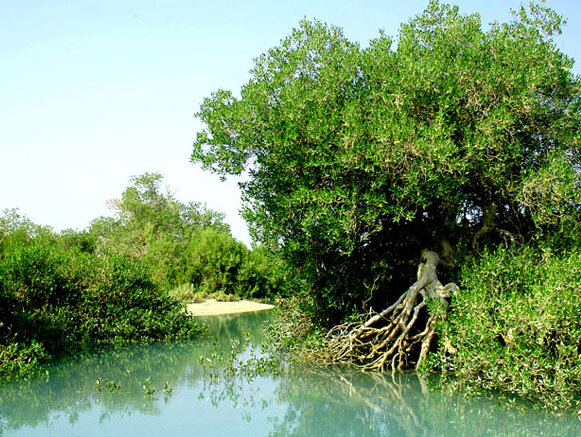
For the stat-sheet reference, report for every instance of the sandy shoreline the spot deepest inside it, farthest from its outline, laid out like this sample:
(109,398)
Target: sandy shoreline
(212,307)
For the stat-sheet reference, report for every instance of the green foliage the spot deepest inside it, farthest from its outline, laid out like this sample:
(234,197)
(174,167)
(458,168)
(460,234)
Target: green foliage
(16,229)
(185,293)
(360,157)
(153,226)
(216,262)
(112,282)
(57,295)
(213,259)
(70,239)
(18,360)
(515,327)
(293,330)
(187,248)
(61,298)
(263,274)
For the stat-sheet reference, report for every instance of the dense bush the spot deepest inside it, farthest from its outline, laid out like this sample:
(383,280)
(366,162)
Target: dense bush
(263,274)
(112,282)
(216,262)
(18,360)
(212,260)
(81,296)
(154,227)
(55,297)
(515,327)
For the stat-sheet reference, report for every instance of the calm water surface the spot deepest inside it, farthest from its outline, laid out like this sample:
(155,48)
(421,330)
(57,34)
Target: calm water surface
(186,394)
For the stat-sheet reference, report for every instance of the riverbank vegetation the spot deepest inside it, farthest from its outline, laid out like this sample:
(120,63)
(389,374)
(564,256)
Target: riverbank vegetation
(125,278)
(417,200)
(426,190)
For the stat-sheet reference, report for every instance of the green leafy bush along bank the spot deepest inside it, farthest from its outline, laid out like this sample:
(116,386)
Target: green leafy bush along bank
(515,328)
(54,300)
(451,136)
(214,263)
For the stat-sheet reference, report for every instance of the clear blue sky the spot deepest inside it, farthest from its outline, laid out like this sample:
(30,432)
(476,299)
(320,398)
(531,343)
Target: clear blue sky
(93,92)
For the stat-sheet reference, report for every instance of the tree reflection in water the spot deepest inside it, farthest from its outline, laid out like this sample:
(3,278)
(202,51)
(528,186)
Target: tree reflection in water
(337,401)
(342,401)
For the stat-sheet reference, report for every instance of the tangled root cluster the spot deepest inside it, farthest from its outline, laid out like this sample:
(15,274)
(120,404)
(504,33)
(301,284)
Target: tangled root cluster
(398,337)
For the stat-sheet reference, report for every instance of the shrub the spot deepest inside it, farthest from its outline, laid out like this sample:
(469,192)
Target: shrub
(180,244)
(184,293)
(123,302)
(515,328)
(18,360)
(356,158)
(213,260)
(54,300)
(263,274)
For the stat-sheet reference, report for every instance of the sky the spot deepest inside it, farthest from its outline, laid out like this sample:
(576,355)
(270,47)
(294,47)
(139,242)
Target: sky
(94,92)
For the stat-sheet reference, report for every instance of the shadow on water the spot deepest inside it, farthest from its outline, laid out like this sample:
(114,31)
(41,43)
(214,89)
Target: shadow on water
(182,384)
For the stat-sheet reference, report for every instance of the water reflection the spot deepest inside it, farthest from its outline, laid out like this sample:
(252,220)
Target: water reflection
(198,397)
(70,386)
(341,401)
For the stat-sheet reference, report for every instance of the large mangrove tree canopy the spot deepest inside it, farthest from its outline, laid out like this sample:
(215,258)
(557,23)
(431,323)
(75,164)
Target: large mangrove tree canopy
(450,136)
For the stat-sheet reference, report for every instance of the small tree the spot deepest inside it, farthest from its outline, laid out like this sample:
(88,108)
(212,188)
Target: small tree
(454,138)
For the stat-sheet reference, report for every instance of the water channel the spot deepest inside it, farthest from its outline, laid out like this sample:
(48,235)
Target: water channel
(178,389)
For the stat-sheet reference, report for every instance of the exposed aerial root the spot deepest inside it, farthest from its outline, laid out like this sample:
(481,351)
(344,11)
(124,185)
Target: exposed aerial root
(394,338)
